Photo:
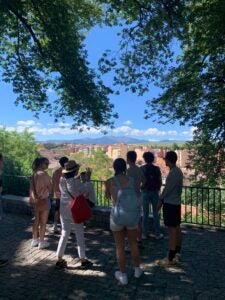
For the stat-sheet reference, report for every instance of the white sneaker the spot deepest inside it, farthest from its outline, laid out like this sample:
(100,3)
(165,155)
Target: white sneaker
(159,236)
(177,257)
(121,277)
(144,237)
(138,272)
(43,245)
(34,243)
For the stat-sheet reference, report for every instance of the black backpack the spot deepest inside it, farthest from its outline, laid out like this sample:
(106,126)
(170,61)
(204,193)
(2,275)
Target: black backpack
(153,179)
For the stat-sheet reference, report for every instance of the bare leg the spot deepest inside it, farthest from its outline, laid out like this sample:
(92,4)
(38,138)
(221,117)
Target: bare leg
(119,237)
(139,231)
(36,224)
(172,237)
(178,236)
(43,221)
(132,238)
(56,217)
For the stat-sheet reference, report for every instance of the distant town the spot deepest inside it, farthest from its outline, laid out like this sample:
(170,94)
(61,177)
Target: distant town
(55,150)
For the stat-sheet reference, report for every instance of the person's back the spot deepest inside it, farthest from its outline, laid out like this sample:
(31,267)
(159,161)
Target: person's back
(170,199)
(136,173)
(126,209)
(73,186)
(55,182)
(40,187)
(150,194)
(57,174)
(153,178)
(173,188)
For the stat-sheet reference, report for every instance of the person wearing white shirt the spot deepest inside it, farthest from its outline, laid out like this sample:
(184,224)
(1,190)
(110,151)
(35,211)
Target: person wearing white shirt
(69,185)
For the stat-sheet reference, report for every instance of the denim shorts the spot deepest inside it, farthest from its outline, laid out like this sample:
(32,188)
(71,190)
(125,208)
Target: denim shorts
(115,227)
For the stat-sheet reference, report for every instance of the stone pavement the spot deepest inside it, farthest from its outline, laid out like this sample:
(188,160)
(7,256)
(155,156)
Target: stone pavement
(31,273)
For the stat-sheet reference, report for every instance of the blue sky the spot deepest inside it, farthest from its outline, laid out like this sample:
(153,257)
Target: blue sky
(130,107)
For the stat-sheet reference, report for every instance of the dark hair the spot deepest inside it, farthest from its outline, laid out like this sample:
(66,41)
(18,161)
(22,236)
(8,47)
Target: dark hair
(1,156)
(148,157)
(119,166)
(70,174)
(132,156)
(63,160)
(171,156)
(38,162)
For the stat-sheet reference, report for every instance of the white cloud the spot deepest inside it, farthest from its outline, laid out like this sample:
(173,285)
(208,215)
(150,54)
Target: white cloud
(61,124)
(128,122)
(64,129)
(27,123)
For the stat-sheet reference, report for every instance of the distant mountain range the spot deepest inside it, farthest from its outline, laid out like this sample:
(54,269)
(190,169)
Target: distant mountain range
(108,140)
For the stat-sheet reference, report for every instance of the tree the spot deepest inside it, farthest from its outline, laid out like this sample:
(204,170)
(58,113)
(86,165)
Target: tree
(98,161)
(19,151)
(192,83)
(42,48)
(208,159)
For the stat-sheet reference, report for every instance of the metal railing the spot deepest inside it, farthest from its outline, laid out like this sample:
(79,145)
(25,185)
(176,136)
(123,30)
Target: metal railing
(200,205)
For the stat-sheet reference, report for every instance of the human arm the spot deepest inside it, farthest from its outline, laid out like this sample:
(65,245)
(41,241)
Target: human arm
(173,183)
(108,189)
(159,204)
(55,183)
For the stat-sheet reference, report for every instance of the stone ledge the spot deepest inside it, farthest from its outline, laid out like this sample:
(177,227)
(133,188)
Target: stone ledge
(16,204)
(21,205)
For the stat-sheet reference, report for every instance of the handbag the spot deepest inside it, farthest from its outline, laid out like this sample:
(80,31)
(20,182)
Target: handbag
(80,208)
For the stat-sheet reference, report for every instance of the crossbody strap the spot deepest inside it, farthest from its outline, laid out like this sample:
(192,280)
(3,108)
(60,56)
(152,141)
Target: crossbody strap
(68,190)
(118,185)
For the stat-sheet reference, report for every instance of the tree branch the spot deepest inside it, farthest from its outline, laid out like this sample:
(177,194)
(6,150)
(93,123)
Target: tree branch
(27,26)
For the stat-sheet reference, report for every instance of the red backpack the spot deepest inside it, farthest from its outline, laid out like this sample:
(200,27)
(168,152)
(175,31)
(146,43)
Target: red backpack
(153,178)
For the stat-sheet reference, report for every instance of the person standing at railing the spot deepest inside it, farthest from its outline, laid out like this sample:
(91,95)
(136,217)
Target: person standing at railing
(150,195)
(70,186)
(90,195)
(3,262)
(135,172)
(120,189)
(40,189)
(170,199)
(56,191)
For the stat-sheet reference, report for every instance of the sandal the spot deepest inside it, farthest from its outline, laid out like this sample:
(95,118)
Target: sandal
(61,264)
(86,264)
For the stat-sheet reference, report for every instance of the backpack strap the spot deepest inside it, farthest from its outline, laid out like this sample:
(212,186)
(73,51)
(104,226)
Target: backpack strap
(116,181)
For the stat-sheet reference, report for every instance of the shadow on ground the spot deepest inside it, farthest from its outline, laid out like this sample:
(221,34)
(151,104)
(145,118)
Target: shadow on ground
(31,273)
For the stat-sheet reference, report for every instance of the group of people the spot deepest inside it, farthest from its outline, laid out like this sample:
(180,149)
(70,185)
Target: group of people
(143,185)
(132,190)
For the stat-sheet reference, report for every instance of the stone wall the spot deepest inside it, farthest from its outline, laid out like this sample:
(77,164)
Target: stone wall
(21,205)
